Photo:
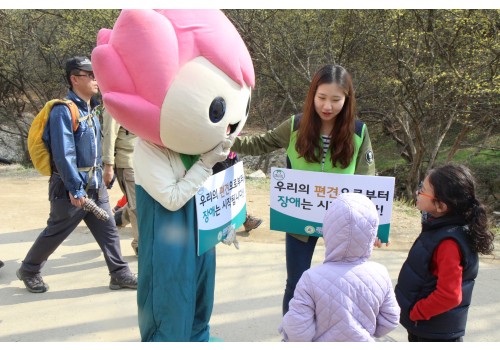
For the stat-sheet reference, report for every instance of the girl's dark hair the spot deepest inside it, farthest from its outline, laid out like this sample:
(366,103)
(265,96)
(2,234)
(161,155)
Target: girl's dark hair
(308,134)
(454,185)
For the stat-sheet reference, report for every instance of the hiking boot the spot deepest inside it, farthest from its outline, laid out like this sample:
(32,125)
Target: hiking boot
(33,283)
(251,222)
(127,280)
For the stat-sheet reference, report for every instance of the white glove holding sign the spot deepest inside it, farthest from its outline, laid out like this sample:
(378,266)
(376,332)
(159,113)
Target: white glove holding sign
(229,236)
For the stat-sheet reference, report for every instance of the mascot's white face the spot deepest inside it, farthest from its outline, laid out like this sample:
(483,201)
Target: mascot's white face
(218,107)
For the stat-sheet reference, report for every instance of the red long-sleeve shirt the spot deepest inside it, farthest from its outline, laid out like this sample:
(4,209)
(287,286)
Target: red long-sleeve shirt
(448,294)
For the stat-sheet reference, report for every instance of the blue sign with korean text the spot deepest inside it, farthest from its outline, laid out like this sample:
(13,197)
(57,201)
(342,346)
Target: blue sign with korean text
(220,202)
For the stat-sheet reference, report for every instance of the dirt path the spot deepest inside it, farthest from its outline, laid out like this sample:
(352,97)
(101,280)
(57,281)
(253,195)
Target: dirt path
(24,206)
(249,282)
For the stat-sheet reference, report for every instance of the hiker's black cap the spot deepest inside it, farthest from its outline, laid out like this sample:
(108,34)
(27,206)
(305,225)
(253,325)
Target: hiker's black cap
(78,62)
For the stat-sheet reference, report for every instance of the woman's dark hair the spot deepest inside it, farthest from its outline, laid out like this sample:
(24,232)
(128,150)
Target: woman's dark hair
(308,134)
(454,185)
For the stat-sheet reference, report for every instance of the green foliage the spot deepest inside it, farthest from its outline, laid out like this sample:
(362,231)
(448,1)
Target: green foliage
(427,81)
(484,161)
(385,150)
(80,29)
(34,45)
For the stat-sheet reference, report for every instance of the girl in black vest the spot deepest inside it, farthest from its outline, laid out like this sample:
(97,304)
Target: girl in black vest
(434,288)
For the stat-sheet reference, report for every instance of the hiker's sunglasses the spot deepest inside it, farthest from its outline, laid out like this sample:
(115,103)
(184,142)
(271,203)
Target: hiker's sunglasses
(89,75)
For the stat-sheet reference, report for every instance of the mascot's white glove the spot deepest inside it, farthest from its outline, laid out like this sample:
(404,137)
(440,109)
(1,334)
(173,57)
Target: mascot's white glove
(229,236)
(218,154)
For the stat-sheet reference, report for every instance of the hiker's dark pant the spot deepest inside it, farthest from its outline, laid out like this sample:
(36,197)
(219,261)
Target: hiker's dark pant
(64,218)
(298,259)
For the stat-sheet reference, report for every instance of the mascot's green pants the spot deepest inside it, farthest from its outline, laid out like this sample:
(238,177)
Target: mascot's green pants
(175,292)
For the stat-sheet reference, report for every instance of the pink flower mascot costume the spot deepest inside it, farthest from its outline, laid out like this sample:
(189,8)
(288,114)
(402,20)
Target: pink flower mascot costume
(181,81)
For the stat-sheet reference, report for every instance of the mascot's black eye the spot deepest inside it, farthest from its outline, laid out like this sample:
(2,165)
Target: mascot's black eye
(217,110)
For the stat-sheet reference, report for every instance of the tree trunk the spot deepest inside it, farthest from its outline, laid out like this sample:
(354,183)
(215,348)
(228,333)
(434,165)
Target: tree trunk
(435,151)
(458,141)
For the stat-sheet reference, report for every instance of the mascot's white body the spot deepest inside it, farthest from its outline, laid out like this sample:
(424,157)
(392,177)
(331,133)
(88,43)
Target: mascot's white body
(181,81)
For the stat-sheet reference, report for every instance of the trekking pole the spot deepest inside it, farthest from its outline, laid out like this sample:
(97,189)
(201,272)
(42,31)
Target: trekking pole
(90,206)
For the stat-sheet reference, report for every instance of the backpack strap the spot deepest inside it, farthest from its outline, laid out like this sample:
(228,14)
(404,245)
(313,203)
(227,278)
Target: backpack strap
(76,120)
(358,127)
(75,114)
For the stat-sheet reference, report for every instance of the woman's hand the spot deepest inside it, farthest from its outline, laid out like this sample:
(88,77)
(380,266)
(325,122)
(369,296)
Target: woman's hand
(378,243)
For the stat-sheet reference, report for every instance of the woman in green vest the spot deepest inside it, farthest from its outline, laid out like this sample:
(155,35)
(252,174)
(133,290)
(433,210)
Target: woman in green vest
(325,137)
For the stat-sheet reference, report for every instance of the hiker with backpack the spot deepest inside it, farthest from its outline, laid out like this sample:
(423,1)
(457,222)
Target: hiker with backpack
(75,181)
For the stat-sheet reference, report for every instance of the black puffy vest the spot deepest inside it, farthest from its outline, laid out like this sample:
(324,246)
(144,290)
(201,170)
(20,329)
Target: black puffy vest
(416,280)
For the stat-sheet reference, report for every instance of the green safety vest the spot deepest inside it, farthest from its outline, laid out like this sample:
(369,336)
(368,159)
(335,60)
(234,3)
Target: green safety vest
(299,163)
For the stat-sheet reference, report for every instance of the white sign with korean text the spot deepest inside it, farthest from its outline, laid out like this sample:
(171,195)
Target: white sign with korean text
(220,202)
(299,199)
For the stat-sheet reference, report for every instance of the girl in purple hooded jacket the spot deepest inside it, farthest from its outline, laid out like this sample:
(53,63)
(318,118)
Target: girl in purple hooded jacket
(347,298)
